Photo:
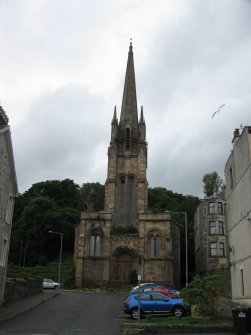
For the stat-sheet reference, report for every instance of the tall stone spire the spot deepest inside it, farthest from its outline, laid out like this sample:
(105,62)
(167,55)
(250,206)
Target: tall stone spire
(129,110)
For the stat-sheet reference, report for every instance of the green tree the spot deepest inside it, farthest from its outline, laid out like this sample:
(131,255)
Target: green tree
(51,205)
(205,292)
(213,184)
(92,197)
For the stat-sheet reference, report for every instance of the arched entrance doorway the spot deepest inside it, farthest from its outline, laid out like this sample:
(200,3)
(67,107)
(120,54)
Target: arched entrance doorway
(123,263)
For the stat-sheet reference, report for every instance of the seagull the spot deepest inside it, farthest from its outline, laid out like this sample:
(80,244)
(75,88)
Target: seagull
(218,110)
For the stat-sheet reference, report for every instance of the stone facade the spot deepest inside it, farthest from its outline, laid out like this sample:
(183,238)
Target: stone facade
(238,195)
(211,234)
(126,238)
(8,192)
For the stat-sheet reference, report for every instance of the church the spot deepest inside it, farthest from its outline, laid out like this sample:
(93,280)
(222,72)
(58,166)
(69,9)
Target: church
(126,239)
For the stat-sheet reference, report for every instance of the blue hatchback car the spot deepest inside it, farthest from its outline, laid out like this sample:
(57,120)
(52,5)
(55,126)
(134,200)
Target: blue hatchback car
(154,303)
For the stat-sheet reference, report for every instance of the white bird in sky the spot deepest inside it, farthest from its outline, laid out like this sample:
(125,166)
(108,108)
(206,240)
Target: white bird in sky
(218,110)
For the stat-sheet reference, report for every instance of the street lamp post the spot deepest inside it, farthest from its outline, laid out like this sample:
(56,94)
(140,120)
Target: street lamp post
(60,254)
(186,246)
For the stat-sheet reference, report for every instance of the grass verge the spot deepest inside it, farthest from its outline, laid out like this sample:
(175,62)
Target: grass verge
(184,320)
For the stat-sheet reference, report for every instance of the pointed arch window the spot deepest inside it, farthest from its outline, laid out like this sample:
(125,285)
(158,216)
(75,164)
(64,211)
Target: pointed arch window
(95,243)
(154,245)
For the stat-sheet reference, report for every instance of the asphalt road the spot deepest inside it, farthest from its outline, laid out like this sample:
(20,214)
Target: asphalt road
(71,313)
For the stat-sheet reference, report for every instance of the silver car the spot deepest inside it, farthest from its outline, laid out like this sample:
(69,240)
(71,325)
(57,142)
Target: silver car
(49,283)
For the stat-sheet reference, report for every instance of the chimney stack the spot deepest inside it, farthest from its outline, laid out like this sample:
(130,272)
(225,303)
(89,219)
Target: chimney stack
(236,136)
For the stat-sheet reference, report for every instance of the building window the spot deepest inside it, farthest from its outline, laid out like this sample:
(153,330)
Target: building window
(242,283)
(220,228)
(122,200)
(3,251)
(9,209)
(220,208)
(212,228)
(221,249)
(211,207)
(95,244)
(213,249)
(130,200)
(154,246)
(217,250)
(231,178)
(216,228)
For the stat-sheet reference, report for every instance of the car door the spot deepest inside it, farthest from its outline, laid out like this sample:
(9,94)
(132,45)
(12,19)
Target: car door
(145,302)
(161,303)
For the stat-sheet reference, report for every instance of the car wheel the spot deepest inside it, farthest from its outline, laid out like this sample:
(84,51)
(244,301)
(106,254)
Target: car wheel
(178,311)
(135,313)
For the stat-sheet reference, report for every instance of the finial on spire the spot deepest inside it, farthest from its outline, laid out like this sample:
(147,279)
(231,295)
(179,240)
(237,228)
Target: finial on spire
(115,113)
(130,48)
(141,116)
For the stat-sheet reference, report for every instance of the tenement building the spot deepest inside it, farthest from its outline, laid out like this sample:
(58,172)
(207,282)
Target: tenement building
(8,192)
(126,239)
(238,195)
(211,234)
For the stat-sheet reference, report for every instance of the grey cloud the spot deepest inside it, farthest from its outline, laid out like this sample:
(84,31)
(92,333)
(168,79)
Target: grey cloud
(196,62)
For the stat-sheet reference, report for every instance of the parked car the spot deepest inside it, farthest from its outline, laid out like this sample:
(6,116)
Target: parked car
(49,283)
(154,303)
(134,288)
(165,292)
(144,287)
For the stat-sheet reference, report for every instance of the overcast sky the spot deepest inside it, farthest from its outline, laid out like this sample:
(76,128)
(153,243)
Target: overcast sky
(62,70)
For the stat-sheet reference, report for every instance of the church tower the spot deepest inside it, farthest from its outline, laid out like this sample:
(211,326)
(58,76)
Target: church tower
(126,239)
(126,184)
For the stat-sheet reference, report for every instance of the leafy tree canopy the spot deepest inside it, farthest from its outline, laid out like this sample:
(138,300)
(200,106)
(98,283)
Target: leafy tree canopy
(160,200)
(51,205)
(92,197)
(213,184)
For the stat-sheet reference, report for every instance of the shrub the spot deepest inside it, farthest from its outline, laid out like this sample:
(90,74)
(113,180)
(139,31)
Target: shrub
(205,292)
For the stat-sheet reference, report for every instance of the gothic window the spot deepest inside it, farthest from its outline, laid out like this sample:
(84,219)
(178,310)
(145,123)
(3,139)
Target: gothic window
(126,200)
(95,243)
(154,245)
(212,227)
(121,199)
(130,196)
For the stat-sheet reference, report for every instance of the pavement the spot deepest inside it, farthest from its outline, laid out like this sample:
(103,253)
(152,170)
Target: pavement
(22,305)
